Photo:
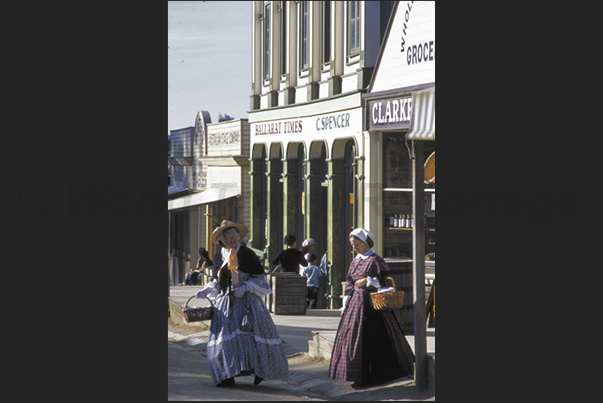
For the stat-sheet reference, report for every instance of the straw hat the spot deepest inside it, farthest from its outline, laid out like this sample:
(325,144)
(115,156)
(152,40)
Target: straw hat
(228,224)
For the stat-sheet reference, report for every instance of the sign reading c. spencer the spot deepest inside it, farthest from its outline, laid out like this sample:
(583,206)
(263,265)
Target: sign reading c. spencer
(345,122)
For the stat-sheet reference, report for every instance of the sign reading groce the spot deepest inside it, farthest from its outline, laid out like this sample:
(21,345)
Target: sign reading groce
(390,113)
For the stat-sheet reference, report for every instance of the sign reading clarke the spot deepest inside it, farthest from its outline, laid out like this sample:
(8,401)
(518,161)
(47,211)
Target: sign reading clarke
(390,113)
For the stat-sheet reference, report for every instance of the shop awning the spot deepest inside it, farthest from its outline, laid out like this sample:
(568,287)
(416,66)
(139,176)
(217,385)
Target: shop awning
(208,196)
(175,189)
(422,118)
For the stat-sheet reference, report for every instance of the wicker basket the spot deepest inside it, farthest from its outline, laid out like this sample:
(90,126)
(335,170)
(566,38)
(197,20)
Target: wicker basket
(198,314)
(388,301)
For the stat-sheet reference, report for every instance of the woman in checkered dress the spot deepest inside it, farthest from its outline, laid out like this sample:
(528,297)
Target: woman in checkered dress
(370,347)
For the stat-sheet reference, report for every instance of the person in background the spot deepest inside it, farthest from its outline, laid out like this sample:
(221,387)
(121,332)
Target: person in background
(192,277)
(312,272)
(308,246)
(290,258)
(370,347)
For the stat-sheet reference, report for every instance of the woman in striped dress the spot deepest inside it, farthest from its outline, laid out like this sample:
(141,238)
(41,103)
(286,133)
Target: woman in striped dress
(238,347)
(370,347)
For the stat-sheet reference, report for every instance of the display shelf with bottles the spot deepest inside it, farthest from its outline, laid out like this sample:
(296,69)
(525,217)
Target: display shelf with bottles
(397,196)
(398,224)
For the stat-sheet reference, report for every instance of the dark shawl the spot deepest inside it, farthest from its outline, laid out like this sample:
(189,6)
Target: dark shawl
(248,263)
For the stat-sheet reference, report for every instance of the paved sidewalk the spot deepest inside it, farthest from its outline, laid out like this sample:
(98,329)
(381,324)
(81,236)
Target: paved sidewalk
(308,373)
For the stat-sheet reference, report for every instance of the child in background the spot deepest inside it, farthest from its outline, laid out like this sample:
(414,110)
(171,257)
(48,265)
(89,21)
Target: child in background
(312,272)
(308,246)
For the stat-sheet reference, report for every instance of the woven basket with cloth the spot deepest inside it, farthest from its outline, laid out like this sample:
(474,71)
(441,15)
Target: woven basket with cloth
(388,300)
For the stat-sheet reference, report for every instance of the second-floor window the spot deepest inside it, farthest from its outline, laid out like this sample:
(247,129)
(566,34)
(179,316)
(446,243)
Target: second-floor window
(266,42)
(326,31)
(353,27)
(305,35)
(283,39)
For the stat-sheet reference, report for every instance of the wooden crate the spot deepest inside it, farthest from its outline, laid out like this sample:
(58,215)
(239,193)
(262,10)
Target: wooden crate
(288,296)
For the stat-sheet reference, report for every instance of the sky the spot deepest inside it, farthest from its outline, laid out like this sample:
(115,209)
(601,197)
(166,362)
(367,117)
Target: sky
(209,60)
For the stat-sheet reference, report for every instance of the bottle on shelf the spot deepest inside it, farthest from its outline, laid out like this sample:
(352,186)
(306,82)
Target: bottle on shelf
(391,220)
(410,224)
(395,220)
(400,221)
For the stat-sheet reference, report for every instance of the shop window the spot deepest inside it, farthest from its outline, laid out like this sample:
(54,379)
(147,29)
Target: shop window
(397,164)
(398,219)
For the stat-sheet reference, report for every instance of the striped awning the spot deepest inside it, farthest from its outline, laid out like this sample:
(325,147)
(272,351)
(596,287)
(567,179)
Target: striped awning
(422,118)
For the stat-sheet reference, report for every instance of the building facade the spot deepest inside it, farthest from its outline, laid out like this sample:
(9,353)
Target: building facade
(216,175)
(400,107)
(311,63)
(400,110)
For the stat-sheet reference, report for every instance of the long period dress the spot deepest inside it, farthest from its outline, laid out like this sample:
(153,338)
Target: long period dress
(370,347)
(231,351)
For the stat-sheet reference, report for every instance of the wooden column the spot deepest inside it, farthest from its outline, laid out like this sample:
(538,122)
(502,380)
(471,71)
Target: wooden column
(418,266)
(275,208)
(256,222)
(336,232)
(290,197)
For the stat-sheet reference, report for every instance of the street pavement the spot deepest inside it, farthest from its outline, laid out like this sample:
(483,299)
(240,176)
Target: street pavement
(189,379)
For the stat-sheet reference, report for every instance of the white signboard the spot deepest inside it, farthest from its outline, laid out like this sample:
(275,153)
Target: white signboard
(409,54)
(224,138)
(331,125)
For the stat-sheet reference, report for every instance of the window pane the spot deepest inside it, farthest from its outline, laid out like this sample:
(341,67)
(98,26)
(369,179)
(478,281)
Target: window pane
(283,41)
(305,34)
(353,36)
(267,42)
(326,55)
(354,24)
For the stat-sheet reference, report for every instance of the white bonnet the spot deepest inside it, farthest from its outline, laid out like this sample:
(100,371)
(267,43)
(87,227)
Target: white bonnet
(308,242)
(362,234)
